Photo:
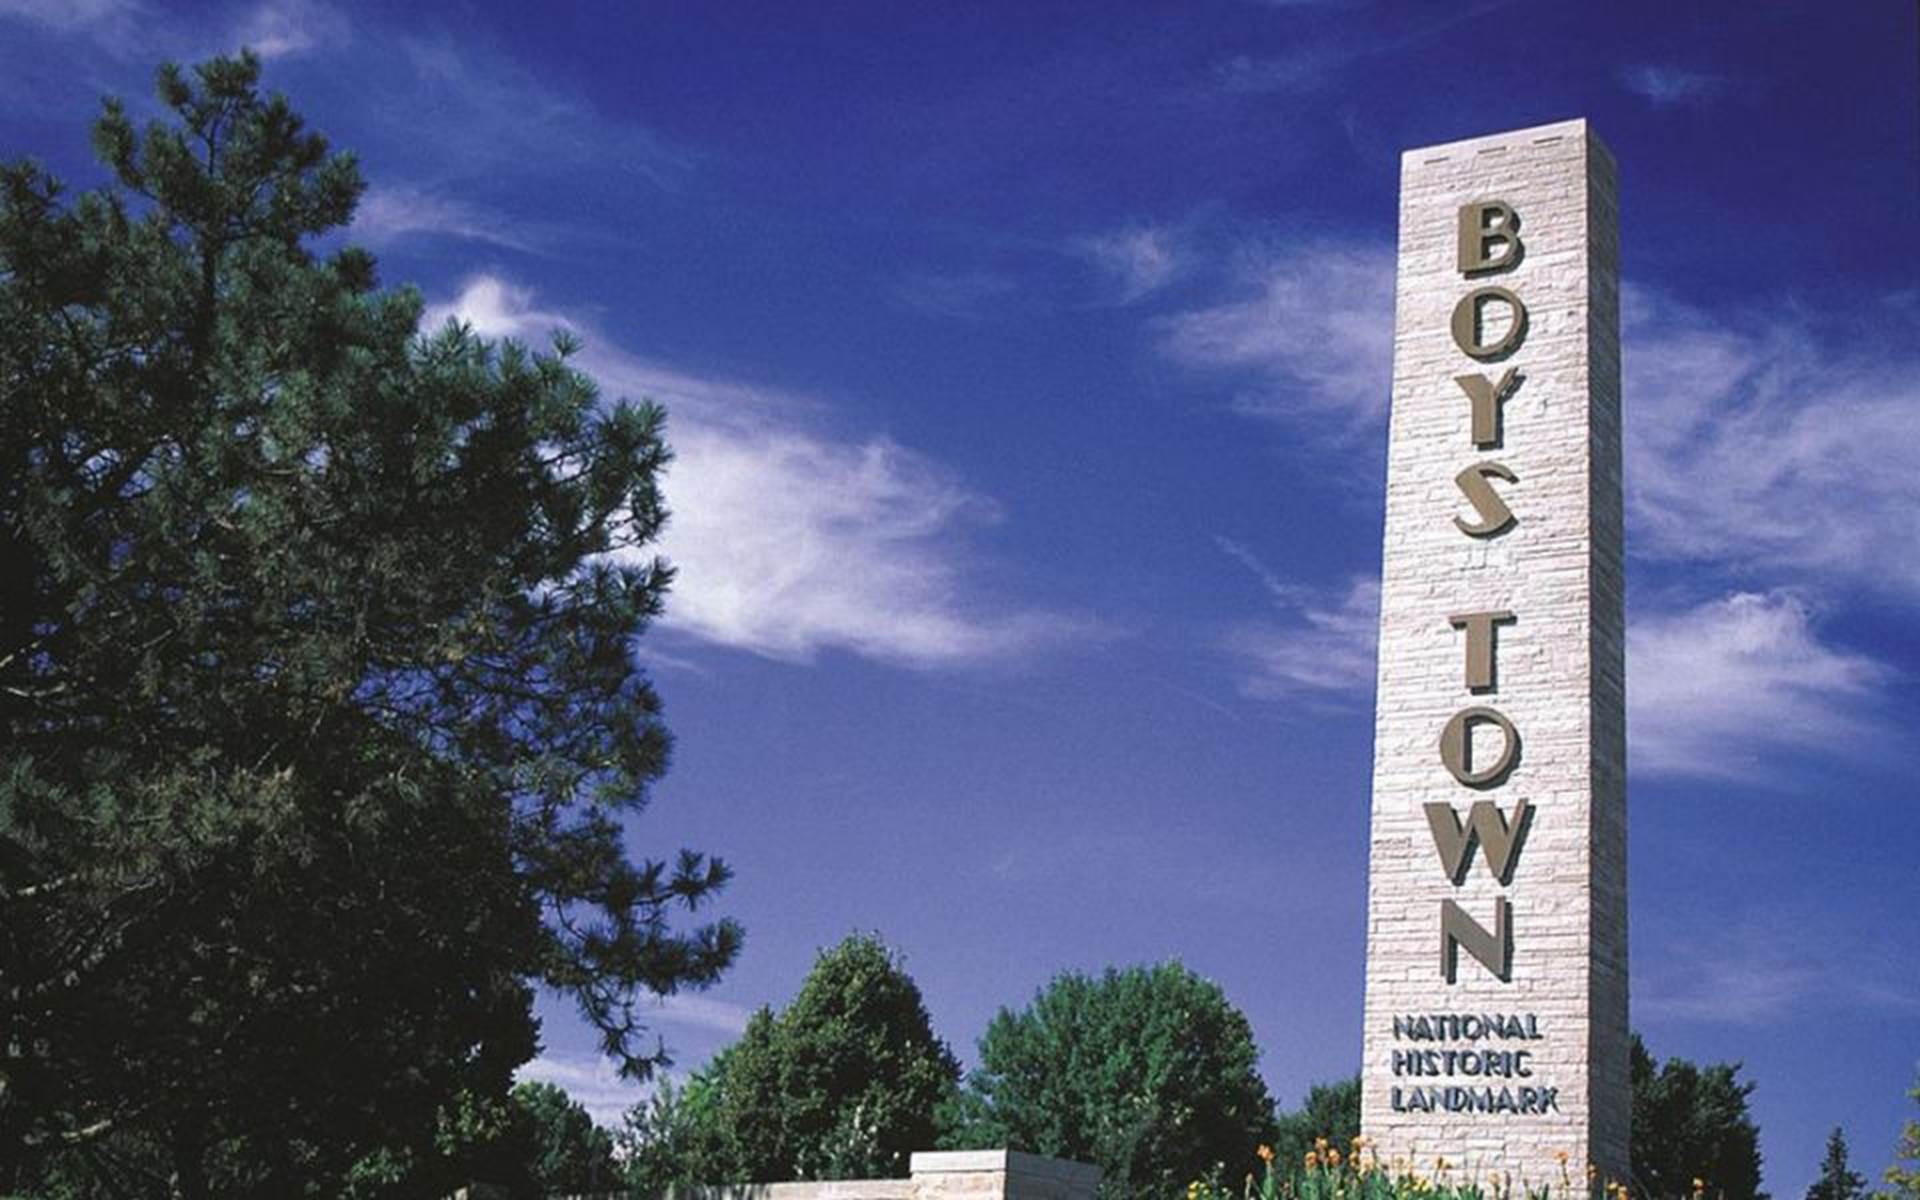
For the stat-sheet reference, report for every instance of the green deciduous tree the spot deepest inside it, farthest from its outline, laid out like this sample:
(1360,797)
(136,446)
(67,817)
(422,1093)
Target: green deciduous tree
(1903,1177)
(1691,1122)
(565,1151)
(1330,1111)
(318,714)
(1148,1072)
(1838,1180)
(844,1083)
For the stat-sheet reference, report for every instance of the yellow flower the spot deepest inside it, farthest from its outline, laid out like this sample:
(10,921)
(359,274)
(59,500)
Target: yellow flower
(1562,1156)
(1333,1158)
(1313,1160)
(1265,1153)
(1699,1185)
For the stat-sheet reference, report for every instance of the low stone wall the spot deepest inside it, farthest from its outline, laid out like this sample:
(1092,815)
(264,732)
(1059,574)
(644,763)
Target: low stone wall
(937,1175)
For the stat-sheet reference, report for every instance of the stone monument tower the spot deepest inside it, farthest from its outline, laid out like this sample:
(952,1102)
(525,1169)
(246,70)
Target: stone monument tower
(1496,1011)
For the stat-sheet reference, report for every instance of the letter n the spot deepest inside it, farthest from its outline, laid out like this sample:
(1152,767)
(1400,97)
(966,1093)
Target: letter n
(1494,950)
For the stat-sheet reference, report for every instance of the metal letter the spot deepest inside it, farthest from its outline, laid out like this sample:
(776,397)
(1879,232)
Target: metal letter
(1480,643)
(1494,950)
(1477,235)
(1467,322)
(1498,836)
(1495,516)
(1456,747)
(1487,398)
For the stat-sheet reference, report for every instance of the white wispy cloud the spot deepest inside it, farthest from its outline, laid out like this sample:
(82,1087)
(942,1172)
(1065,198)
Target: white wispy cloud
(1779,443)
(1713,690)
(1746,976)
(1663,86)
(116,26)
(464,110)
(1310,329)
(961,295)
(701,1012)
(592,1083)
(1323,649)
(791,541)
(1773,444)
(1140,260)
(280,28)
(1299,69)
(72,15)
(1713,986)
(387,214)
(1716,690)
(597,1085)
(1317,643)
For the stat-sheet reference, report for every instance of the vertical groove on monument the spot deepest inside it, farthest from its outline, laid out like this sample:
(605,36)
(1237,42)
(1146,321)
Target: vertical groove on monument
(1496,1013)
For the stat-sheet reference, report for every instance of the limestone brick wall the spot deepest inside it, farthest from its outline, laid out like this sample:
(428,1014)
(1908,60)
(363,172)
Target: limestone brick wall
(938,1175)
(1559,671)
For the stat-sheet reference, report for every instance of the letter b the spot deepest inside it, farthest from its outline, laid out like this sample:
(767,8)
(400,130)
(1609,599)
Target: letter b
(1489,237)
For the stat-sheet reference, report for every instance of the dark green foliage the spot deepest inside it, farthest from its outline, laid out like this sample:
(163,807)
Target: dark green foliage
(1331,1111)
(1149,1073)
(844,1083)
(1689,1123)
(317,708)
(1838,1180)
(565,1151)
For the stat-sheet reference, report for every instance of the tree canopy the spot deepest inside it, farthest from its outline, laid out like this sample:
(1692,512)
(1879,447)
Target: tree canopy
(317,697)
(1330,1111)
(1149,1073)
(564,1151)
(844,1083)
(1903,1175)
(1691,1122)
(1838,1180)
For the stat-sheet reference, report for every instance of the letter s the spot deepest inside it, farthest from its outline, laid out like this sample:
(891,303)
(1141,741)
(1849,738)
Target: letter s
(1495,516)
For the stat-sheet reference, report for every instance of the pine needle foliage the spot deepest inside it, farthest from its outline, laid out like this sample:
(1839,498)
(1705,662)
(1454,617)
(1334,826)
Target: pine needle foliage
(318,711)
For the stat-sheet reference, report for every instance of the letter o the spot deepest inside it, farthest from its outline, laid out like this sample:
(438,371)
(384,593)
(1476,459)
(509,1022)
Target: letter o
(1466,323)
(1456,747)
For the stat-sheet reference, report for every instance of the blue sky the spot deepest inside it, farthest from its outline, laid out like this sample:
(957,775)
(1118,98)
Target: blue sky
(1028,367)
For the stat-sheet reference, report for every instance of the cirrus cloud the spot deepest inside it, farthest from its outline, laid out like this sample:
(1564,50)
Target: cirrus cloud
(790,540)
(1308,331)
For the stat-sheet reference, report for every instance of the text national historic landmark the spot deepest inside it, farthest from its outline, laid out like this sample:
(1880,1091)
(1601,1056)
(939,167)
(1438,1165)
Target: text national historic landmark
(1496,1012)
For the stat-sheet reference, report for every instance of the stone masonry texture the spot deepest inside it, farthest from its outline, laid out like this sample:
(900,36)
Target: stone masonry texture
(936,1175)
(1559,673)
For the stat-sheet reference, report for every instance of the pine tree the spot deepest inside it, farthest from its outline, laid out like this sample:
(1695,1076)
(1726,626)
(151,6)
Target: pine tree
(318,713)
(1837,1180)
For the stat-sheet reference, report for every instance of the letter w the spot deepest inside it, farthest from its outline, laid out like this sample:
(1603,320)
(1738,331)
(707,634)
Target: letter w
(1498,836)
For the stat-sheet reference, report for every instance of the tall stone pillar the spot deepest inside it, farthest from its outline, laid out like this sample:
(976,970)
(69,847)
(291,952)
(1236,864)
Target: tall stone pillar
(1496,1010)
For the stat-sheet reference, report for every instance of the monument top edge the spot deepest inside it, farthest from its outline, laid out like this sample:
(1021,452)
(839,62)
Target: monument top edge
(1576,129)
